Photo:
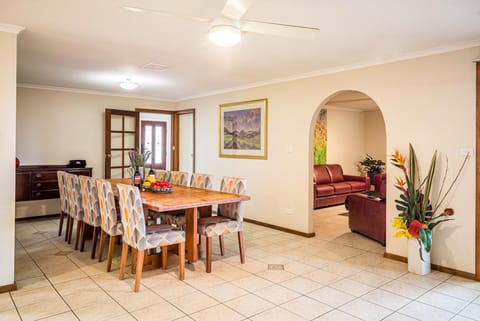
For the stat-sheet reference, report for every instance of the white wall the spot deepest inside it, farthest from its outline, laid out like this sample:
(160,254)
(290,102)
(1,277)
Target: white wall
(8,83)
(428,101)
(375,136)
(345,139)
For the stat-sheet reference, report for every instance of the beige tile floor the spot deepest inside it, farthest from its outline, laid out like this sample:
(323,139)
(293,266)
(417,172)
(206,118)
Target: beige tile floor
(337,275)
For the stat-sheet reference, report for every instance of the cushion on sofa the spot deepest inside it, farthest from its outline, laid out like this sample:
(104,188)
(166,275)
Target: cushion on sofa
(341,188)
(336,173)
(323,190)
(357,186)
(322,175)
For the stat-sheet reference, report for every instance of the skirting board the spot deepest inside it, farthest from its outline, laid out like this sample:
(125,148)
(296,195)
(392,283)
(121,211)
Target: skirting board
(8,287)
(434,267)
(279,228)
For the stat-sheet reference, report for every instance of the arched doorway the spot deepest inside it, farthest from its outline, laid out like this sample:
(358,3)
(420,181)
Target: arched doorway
(353,126)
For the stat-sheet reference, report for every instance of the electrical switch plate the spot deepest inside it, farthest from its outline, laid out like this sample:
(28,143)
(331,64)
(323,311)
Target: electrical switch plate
(466,151)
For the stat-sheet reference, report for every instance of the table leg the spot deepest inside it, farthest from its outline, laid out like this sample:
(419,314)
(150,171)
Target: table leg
(191,234)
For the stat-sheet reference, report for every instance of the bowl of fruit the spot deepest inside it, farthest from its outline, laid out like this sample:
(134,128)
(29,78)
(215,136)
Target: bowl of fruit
(161,187)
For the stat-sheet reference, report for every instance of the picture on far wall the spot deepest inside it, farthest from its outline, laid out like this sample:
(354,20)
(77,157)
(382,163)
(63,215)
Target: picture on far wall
(243,129)
(320,139)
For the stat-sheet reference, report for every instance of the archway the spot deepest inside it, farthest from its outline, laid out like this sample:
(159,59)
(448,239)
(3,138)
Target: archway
(354,127)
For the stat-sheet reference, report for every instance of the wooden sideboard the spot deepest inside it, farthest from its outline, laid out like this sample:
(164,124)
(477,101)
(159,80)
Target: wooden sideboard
(39,182)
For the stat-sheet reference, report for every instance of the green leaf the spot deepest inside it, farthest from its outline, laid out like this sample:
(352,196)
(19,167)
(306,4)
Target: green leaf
(428,185)
(432,225)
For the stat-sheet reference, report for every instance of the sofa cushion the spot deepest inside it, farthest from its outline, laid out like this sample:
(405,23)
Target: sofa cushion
(336,173)
(356,186)
(341,188)
(323,190)
(383,190)
(321,173)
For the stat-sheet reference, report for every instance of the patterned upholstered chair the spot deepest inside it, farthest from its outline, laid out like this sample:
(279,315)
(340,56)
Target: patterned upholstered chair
(135,234)
(76,207)
(62,188)
(163,175)
(229,219)
(110,221)
(178,178)
(91,210)
(203,181)
(176,218)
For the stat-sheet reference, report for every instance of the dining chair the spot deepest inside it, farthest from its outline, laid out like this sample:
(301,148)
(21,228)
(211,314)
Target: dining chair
(91,210)
(176,218)
(229,219)
(110,223)
(76,208)
(136,234)
(163,175)
(62,189)
(203,181)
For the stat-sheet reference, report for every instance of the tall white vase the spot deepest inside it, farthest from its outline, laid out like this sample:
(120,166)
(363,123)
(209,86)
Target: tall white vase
(415,263)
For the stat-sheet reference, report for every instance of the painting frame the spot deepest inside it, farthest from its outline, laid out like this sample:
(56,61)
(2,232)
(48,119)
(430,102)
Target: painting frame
(243,129)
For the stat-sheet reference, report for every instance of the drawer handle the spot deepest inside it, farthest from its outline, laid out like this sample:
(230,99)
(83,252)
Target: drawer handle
(38,175)
(38,184)
(38,194)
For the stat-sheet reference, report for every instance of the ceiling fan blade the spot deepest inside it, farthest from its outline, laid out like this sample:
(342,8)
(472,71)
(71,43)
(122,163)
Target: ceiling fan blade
(235,9)
(279,29)
(165,14)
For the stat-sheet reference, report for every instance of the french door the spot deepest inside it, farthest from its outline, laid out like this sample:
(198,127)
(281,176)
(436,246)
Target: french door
(154,139)
(120,138)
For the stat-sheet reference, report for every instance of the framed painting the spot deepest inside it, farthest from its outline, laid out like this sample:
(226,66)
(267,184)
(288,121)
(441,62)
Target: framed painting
(243,129)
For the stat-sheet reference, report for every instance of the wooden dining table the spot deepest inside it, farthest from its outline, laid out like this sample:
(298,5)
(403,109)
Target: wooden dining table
(188,199)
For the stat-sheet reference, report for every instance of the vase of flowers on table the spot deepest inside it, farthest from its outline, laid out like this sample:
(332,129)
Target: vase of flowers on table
(419,212)
(138,159)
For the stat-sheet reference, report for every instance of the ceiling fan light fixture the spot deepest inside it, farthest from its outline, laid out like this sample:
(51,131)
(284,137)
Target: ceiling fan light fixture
(128,84)
(225,35)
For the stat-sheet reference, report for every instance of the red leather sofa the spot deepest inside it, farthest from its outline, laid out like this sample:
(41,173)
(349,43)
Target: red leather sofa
(331,187)
(367,213)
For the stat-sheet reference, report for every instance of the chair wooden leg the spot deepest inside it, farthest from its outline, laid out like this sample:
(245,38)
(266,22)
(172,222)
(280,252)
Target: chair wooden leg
(222,244)
(94,241)
(209,254)
(84,229)
(134,261)
(60,224)
(123,261)
(111,248)
(79,231)
(164,257)
(139,268)
(241,247)
(103,235)
(70,230)
(181,261)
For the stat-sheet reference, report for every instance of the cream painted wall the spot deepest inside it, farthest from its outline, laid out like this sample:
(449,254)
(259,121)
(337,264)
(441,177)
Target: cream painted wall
(375,136)
(54,127)
(8,80)
(345,139)
(428,101)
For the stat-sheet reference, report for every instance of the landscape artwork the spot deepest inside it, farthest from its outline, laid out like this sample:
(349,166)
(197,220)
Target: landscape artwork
(320,139)
(243,129)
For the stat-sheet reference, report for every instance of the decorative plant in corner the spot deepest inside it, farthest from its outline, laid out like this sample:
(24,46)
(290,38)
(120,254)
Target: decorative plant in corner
(371,166)
(418,216)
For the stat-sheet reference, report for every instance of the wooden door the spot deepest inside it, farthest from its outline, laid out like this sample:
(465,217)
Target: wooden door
(121,136)
(154,139)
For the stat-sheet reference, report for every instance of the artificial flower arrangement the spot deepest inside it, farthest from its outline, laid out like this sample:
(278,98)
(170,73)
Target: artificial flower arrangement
(139,158)
(418,216)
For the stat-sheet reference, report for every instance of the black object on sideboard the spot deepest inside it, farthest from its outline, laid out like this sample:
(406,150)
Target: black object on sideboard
(38,182)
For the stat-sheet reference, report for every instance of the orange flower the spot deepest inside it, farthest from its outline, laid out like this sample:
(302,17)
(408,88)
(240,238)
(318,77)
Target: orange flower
(400,183)
(448,212)
(415,227)
(399,159)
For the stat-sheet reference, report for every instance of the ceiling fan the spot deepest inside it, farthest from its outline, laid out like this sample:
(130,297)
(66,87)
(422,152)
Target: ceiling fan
(226,30)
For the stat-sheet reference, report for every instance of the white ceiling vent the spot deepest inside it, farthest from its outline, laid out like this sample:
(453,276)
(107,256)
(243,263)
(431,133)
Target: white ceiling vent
(154,66)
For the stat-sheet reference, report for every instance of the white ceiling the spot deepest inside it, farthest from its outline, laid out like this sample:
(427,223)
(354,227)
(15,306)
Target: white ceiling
(95,44)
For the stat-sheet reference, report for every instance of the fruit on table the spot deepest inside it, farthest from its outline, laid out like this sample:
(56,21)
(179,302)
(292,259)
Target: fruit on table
(160,184)
(150,179)
(146,183)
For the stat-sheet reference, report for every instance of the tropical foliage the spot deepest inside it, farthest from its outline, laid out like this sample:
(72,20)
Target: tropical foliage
(418,214)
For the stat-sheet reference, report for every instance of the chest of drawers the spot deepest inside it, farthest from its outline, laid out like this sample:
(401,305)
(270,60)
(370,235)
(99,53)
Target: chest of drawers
(37,182)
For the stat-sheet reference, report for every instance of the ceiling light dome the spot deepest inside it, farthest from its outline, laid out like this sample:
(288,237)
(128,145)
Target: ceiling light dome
(225,35)
(128,84)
